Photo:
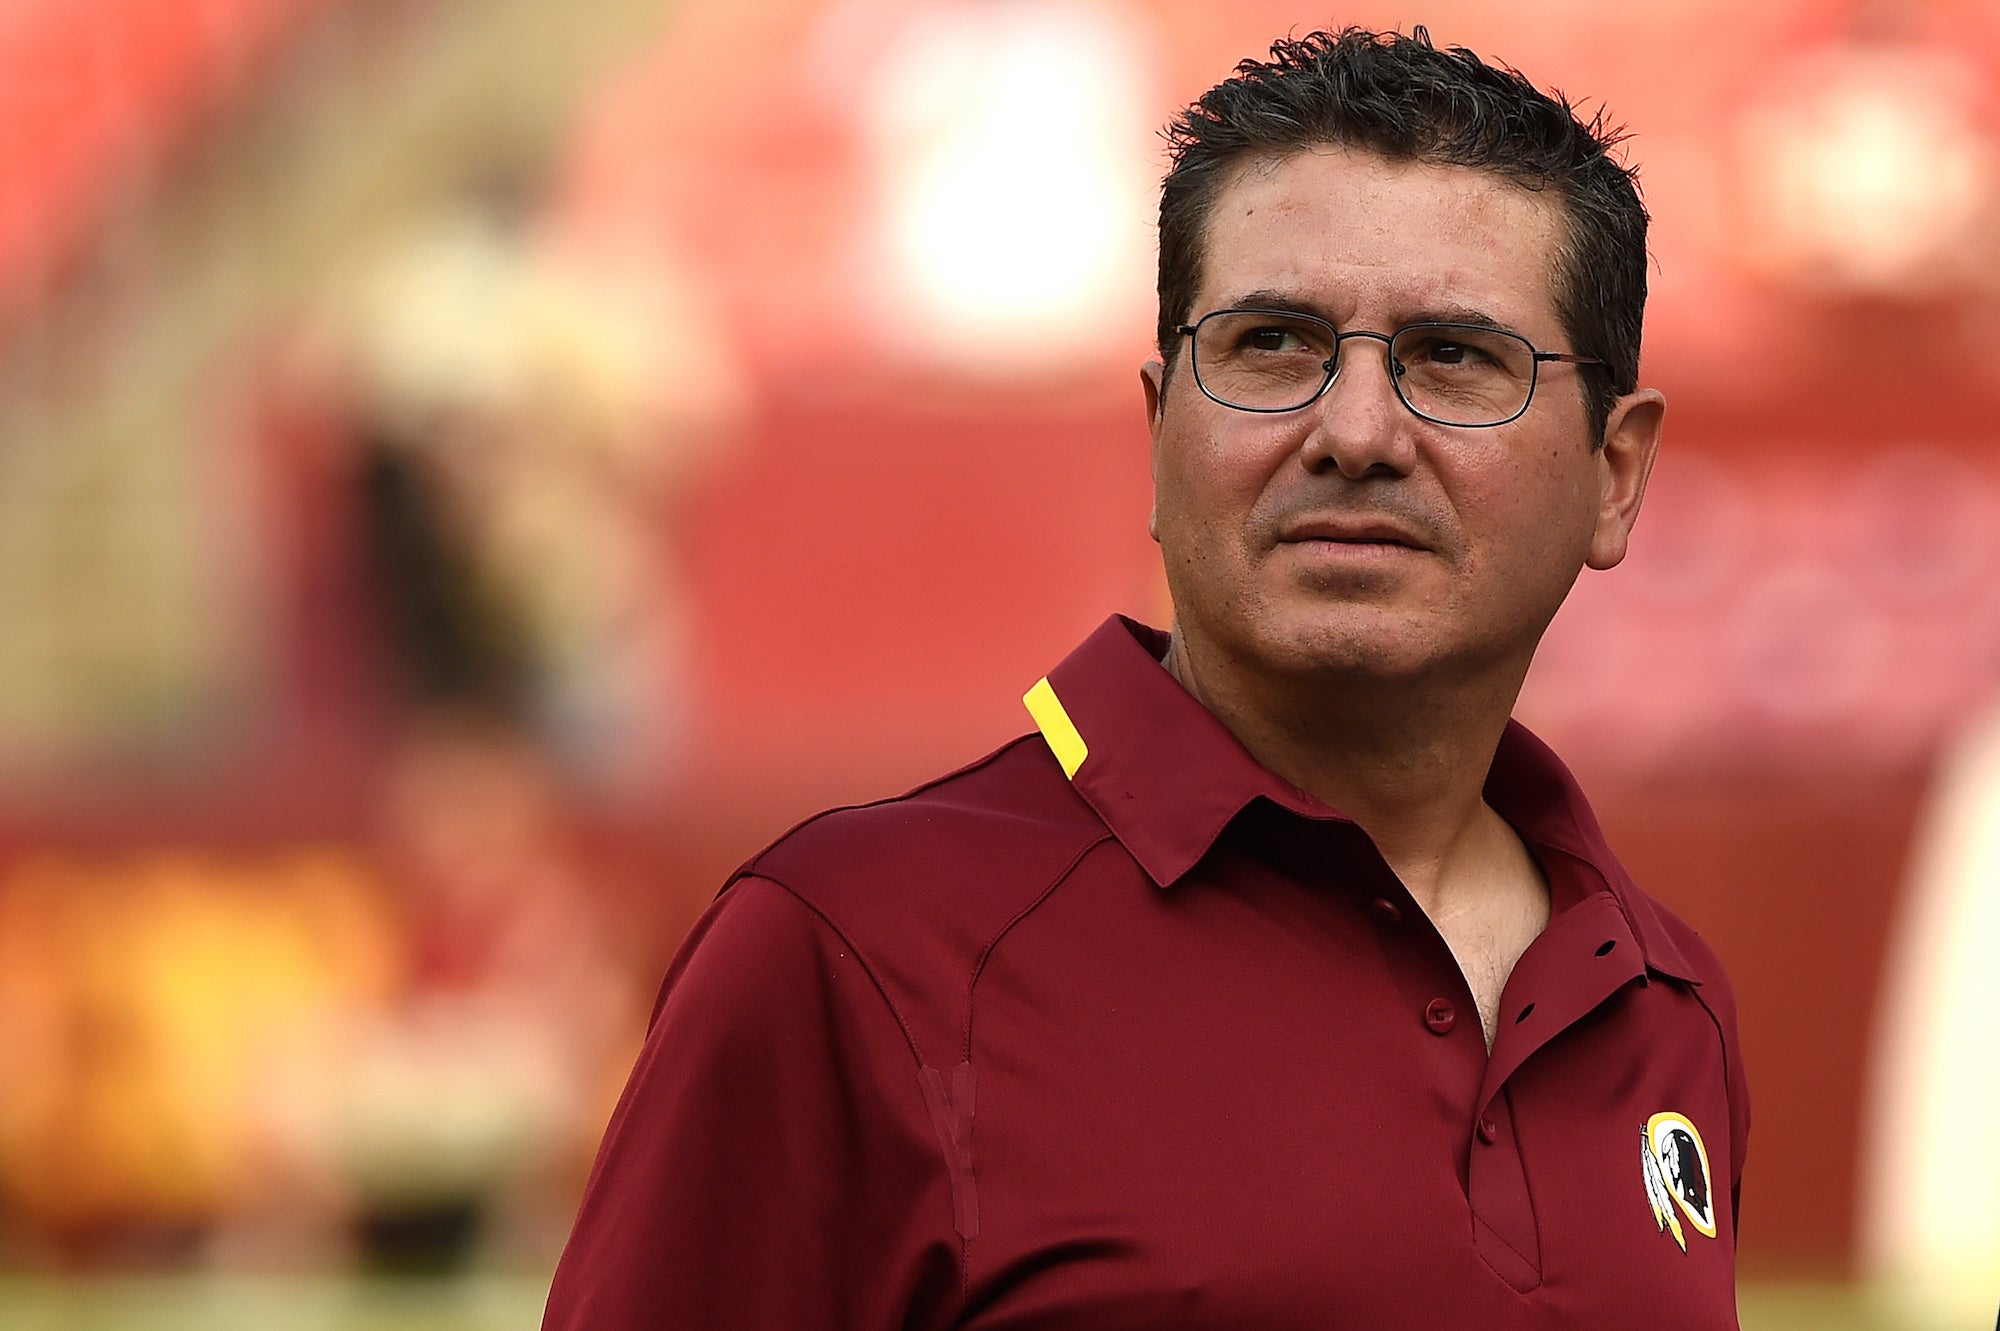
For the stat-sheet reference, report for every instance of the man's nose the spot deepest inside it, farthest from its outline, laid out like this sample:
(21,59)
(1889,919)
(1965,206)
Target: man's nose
(1362,428)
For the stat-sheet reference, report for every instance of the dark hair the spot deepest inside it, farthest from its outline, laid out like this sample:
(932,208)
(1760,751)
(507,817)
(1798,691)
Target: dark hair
(1404,99)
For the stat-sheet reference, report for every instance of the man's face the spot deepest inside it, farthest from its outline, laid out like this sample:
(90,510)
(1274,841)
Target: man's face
(1350,536)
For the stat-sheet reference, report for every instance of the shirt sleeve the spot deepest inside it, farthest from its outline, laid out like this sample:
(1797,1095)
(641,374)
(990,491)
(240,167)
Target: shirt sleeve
(1739,1135)
(771,1165)
(1721,998)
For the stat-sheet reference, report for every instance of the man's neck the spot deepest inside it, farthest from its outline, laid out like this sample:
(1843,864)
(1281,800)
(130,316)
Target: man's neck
(1407,761)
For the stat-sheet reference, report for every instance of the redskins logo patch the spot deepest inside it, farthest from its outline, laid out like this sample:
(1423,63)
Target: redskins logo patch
(1674,1164)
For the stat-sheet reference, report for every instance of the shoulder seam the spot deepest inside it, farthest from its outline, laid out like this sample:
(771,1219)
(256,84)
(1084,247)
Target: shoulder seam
(979,966)
(1729,1091)
(860,957)
(749,866)
(1659,920)
(882,991)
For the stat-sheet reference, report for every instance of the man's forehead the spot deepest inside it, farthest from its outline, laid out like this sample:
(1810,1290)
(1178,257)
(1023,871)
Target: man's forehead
(1334,222)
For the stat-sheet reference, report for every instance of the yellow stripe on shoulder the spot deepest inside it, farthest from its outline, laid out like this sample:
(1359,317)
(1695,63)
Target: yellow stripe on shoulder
(1056,727)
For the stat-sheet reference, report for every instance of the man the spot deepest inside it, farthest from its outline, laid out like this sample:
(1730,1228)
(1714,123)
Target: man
(1276,979)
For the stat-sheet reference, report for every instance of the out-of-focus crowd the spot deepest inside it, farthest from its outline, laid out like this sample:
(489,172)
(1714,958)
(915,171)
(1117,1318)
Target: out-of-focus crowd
(334,700)
(401,1049)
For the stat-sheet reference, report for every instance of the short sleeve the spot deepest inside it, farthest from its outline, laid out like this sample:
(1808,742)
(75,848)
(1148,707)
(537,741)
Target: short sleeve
(1720,999)
(1739,1119)
(771,1164)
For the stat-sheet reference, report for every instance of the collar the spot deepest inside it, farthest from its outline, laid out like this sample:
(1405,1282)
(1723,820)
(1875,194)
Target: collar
(1167,776)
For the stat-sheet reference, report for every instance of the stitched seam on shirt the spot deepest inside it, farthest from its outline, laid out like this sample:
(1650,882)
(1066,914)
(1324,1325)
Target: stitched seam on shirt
(860,957)
(749,866)
(1728,1102)
(979,966)
(1527,1181)
(881,989)
(1477,1219)
(971,999)
(1532,1265)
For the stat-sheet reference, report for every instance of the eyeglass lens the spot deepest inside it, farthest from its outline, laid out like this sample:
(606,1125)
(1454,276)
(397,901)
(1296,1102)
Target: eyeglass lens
(1457,374)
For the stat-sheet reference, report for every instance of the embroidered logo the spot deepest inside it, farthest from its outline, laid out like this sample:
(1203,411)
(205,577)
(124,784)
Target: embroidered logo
(1674,1164)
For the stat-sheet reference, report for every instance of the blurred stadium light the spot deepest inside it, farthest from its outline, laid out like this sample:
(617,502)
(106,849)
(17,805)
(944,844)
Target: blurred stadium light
(1873,166)
(1006,250)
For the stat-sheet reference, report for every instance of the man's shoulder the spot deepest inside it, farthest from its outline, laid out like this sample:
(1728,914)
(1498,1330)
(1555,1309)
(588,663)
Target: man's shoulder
(1684,945)
(1680,946)
(978,842)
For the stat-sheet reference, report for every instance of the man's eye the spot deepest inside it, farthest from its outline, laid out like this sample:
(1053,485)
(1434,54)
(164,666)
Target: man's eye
(1274,339)
(1451,353)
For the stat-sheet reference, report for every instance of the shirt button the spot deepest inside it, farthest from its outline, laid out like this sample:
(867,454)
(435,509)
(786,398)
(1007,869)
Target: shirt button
(1489,1131)
(1386,911)
(1440,1015)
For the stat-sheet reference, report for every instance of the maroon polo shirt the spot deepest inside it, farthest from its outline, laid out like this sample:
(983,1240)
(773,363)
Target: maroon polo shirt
(1163,1043)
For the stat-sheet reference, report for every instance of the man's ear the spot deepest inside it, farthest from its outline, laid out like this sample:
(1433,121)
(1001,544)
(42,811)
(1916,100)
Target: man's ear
(1153,380)
(1631,443)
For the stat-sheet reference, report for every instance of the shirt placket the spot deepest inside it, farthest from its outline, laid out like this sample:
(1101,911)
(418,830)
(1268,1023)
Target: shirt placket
(1587,954)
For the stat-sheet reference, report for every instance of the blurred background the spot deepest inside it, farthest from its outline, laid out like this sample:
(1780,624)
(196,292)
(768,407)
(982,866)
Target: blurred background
(473,471)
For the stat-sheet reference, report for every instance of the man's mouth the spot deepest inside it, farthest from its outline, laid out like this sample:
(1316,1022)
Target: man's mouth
(1358,532)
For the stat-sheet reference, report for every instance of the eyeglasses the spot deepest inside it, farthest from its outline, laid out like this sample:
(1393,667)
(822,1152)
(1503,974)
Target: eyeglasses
(1448,373)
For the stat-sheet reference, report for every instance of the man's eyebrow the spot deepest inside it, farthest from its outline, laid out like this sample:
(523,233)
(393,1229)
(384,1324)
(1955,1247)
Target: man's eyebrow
(1281,302)
(1266,299)
(1459,314)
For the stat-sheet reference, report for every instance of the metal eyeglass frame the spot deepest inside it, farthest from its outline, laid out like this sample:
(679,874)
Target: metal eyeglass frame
(1388,340)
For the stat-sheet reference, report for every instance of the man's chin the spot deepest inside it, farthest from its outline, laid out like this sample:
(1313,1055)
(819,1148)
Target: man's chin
(1374,645)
